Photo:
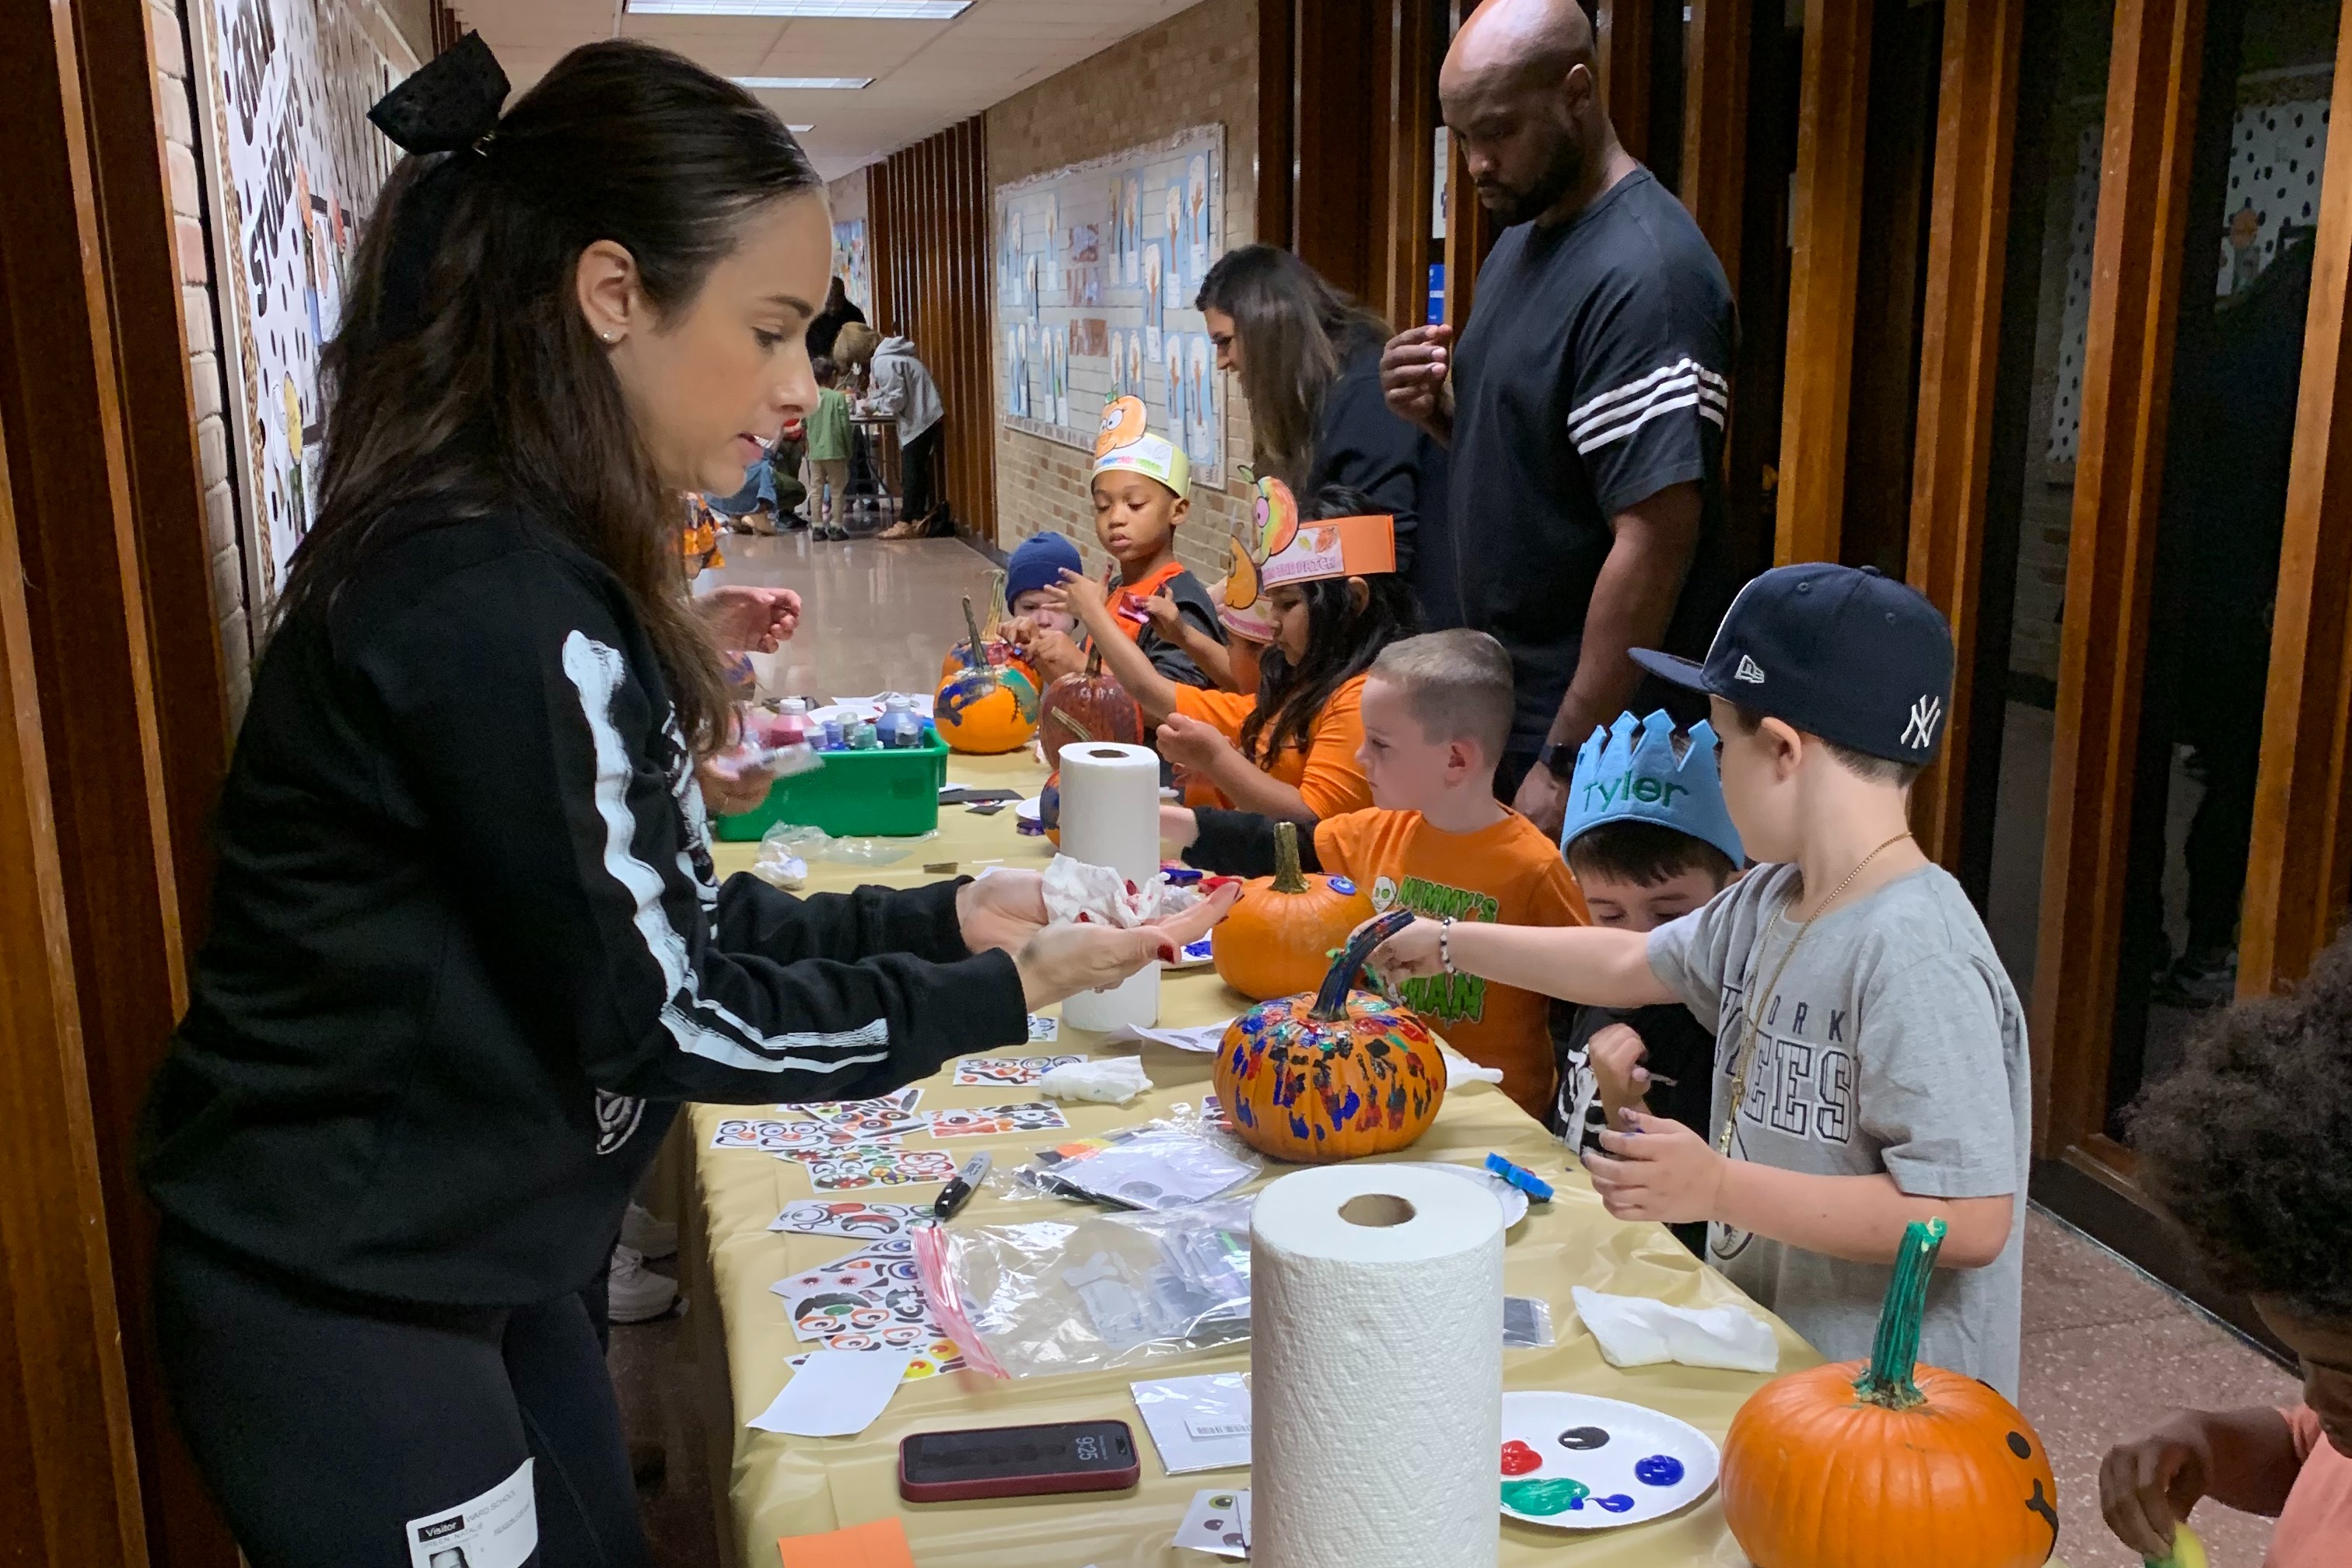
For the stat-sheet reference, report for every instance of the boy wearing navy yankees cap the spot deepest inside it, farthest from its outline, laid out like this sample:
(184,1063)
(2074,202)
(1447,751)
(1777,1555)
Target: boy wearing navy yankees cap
(1871,1065)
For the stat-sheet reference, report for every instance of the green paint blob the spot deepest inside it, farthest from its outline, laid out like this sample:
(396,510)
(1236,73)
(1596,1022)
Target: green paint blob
(1558,1495)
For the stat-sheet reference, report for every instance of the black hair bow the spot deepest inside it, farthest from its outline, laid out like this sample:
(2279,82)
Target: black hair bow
(451,103)
(449,106)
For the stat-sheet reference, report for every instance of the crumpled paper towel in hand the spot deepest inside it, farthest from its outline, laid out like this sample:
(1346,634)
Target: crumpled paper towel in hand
(1634,1331)
(1109,1080)
(1075,890)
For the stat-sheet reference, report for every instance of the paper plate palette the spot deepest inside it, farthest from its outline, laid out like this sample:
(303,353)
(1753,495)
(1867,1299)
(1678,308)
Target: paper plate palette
(1514,1202)
(1026,810)
(1571,1461)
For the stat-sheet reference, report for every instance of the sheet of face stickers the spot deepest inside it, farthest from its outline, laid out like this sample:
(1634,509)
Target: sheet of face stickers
(848,1144)
(865,1300)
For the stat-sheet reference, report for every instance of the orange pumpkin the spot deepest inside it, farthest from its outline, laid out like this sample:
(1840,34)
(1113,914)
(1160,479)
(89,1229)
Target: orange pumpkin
(987,698)
(1884,1463)
(1334,1076)
(1279,939)
(1089,707)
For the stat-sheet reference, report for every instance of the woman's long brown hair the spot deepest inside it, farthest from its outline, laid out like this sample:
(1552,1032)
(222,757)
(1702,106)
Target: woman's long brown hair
(495,395)
(1296,331)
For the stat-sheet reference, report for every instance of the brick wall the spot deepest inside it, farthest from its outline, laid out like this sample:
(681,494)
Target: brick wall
(167,23)
(1198,68)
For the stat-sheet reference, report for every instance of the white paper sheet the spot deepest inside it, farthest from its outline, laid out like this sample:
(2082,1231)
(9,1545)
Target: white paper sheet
(1202,1040)
(836,1393)
(1197,1422)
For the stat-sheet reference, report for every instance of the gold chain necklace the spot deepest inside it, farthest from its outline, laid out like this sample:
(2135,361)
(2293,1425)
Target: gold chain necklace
(1743,1051)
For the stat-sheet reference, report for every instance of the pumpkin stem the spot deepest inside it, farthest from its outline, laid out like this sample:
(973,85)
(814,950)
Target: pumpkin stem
(1332,1001)
(1886,1381)
(1288,878)
(1094,664)
(979,655)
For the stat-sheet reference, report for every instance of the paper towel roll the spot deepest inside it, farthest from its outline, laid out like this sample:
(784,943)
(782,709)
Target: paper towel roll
(1376,1369)
(1110,817)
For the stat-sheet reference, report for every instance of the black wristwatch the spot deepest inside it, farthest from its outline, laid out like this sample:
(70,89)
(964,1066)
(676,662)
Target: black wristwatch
(1560,758)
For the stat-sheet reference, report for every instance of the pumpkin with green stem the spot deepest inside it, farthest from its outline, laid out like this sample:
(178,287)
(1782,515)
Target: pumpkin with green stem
(1885,1463)
(1335,1074)
(1278,940)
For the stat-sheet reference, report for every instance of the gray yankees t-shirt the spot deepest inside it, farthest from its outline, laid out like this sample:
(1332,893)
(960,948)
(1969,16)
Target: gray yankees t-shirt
(1893,1042)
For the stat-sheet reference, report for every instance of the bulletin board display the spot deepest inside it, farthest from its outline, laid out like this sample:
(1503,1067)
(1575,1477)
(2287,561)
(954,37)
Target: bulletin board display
(853,265)
(1096,268)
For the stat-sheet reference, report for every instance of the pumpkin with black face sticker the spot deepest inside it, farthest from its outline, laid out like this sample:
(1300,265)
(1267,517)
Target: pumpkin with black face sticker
(1885,1463)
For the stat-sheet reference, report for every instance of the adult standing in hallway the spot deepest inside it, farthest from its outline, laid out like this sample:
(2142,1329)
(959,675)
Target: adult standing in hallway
(1308,360)
(899,386)
(468,952)
(840,310)
(1585,405)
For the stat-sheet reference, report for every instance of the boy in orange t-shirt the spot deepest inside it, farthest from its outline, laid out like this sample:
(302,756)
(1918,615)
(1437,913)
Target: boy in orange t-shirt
(1437,712)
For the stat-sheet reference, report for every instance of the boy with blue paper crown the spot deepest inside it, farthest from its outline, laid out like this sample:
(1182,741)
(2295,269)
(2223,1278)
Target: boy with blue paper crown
(1871,1065)
(1650,841)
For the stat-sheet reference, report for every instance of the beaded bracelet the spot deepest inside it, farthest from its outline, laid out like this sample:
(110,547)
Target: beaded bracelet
(1445,944)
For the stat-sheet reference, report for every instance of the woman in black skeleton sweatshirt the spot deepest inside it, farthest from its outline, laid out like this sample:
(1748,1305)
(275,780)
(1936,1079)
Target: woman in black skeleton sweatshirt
(468,952)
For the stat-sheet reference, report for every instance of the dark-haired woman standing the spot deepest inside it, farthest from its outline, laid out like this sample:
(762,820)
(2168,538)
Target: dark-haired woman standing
(1309,359)
(467,950)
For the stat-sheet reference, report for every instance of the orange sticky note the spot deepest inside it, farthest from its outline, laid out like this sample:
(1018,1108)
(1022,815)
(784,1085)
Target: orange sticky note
(881,1544)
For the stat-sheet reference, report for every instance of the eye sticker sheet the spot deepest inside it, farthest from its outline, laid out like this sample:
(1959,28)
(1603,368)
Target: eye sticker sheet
(874,1165)
(1008,1072)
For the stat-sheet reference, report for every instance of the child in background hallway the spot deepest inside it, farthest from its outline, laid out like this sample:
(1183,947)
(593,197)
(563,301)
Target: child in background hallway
(2249,1148)
(1436,714)
(828,452)
(1649,840)
(1140,487)
(1289,748)
(1870,1060)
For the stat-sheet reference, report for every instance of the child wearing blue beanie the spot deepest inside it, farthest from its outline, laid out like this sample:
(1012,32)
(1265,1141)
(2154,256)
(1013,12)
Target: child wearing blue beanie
(1036,565)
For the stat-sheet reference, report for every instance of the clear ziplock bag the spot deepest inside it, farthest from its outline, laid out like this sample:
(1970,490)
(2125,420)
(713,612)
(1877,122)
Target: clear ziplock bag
(1093,1293)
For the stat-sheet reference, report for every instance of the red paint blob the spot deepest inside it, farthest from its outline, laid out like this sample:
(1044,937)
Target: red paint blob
(1518,1460)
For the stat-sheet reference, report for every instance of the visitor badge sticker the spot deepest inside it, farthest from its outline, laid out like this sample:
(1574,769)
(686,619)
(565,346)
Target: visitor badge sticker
(1575,1462)
(499,1529)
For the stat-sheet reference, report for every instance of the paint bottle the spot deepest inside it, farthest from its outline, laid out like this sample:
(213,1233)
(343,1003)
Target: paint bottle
(901,729)
(833,740)
(791,726)
(864,738)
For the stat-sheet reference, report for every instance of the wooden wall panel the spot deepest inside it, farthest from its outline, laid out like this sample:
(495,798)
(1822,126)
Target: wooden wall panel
(2300,872)
(1826,278)
(930,207)
(1959,358)
(2137,263)
(1623,38)
(1409,45)
(1715,124)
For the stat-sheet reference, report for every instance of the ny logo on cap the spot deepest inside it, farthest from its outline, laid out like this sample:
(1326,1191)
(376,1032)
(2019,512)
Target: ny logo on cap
(1925,714)
(1748,671)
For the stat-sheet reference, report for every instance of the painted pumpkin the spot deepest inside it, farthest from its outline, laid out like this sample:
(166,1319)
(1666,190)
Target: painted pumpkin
(987,700)
(1089,707)
(1333,1075)
(1049,808)
(1885,1463)
(1277,941)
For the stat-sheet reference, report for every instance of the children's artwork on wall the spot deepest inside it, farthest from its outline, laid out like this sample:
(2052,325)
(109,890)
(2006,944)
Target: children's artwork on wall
(1101,261)
(294,170)
(851,263)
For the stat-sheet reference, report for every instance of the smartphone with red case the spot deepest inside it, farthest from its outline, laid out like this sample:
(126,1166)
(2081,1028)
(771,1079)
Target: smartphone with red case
(1018,1461)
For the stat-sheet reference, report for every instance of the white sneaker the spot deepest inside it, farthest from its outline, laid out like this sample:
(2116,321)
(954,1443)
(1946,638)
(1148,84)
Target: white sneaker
(642,1233)
(634,1293)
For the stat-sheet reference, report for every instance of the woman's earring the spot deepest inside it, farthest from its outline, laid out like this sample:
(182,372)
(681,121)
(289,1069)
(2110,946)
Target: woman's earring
(610,336)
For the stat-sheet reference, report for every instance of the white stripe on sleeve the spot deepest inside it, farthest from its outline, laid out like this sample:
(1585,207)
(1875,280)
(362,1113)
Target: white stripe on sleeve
(1616,414)
(698,1025)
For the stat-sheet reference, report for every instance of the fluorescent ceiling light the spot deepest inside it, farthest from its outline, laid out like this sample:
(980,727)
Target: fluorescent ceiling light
(803,83)
(859,10)
(800,130)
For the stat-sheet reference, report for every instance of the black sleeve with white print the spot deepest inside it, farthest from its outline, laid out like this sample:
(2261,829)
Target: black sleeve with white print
(1652,389)
(562,788)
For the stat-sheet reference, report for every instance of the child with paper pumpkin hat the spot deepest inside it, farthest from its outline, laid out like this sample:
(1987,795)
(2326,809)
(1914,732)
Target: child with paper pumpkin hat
(1332,593)
(1139,488)
(1649,839)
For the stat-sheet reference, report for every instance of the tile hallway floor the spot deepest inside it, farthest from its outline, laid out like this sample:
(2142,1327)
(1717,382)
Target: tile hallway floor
(2107,1351)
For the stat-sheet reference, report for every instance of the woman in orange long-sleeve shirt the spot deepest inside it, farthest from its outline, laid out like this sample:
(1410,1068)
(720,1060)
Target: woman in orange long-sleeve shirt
(1332,593)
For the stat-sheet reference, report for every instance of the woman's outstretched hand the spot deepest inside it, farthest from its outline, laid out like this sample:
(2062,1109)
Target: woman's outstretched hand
(749,620)
(1007,912)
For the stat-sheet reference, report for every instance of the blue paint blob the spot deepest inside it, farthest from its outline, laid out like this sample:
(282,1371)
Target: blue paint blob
(1658,1471)
(1618,1504)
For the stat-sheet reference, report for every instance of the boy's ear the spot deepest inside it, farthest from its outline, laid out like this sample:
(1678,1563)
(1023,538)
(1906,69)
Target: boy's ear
(1360,594)
(1783,742)
(1181,509)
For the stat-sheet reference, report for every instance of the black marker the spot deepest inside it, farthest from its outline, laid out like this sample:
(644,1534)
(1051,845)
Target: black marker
(959,1191)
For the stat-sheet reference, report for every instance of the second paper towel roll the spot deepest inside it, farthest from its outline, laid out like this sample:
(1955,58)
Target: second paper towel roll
(1376,1370)
(1110,817)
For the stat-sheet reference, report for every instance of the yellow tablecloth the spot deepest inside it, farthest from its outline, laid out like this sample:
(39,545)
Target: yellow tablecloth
(789,1486)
